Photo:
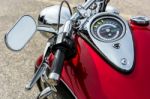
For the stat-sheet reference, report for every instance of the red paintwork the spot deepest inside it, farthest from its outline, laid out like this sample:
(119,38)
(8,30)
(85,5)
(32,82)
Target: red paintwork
(90,77)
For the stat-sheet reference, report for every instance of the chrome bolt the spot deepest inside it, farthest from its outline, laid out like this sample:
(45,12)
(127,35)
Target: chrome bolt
(94,6)
(85,14)
(124,61)
(116,46)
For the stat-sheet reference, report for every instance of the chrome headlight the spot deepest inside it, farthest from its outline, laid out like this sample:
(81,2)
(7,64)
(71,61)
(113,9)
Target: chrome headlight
(49,17)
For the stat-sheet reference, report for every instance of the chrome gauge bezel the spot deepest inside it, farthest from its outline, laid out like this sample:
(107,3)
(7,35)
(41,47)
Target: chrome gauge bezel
(122,56)
(107,16)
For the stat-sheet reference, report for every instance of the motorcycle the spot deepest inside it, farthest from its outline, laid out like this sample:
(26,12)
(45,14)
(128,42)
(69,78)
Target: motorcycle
(91,54)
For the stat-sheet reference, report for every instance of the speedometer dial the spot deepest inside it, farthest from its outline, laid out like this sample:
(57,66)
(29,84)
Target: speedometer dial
(107,29)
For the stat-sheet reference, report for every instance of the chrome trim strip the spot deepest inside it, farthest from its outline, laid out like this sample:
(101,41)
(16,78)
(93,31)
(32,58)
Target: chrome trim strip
(68,88)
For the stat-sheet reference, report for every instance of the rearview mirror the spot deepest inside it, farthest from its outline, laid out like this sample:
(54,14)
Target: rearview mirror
(21,33)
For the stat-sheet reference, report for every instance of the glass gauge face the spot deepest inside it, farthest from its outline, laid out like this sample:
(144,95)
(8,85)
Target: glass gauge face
(107,29)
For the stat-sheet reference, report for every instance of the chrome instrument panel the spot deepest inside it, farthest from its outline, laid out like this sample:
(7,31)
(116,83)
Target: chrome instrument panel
(119,48)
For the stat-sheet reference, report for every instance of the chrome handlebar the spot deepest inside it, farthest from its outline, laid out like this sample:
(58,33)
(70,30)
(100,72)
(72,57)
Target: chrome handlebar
(68,31)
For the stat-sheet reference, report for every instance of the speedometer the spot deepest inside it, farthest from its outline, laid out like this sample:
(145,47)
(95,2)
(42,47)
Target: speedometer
(107,29)
(111,36)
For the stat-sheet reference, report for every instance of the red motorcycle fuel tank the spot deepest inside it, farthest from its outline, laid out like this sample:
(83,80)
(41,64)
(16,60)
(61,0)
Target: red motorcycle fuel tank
(89,76)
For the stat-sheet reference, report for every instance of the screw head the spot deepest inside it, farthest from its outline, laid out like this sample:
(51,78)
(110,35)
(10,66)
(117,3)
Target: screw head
(124,61)
(116,46)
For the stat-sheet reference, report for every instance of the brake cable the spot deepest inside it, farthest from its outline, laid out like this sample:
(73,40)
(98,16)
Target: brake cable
(59,15)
